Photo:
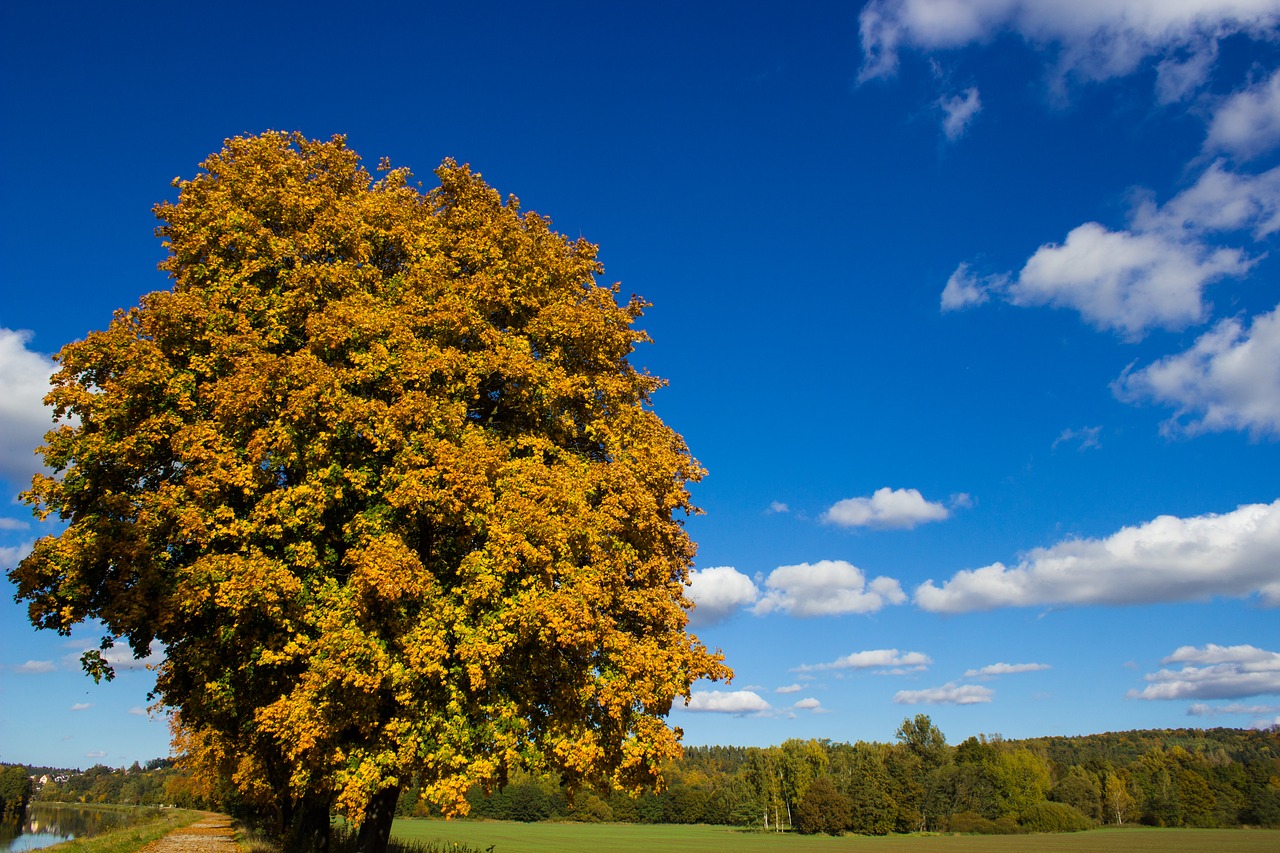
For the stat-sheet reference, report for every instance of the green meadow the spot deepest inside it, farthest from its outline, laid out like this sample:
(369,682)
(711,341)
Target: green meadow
(549,837)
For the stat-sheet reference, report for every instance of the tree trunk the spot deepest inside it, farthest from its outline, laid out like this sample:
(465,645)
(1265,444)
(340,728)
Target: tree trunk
(308,829)
(375,832)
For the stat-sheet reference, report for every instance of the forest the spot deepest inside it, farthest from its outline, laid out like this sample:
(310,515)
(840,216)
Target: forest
(985,784)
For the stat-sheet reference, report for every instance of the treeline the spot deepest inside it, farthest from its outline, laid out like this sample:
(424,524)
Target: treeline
(1178,777)
(158,782)
(1184,777)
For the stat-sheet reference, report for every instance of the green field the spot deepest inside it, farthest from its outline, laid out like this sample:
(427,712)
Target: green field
(656,838)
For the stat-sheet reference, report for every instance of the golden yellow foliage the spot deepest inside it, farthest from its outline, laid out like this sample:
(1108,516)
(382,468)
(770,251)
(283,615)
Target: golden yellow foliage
(378,474)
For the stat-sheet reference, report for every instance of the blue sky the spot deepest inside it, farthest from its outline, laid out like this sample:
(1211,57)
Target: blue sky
(969,307)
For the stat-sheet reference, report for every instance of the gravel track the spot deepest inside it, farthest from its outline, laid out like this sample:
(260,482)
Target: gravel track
(210,834)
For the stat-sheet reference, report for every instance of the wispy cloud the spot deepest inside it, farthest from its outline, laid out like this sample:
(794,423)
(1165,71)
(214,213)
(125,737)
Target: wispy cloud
(1201,709)
(1214,672)
(82,706)
(1085,438)
(873,659)
(1090,41)
(33,667)
(1006,669)
(948,694)
(958,111)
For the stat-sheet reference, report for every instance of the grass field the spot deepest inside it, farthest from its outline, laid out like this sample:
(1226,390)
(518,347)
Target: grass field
(509,837)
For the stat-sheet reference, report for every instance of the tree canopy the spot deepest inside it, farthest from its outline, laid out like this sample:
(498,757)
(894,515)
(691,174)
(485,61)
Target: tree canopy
(379,476)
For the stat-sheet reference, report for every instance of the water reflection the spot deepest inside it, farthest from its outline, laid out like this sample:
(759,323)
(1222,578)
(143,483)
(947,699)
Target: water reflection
(46,824)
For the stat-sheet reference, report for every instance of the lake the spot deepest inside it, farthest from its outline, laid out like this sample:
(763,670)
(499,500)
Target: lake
(46,824)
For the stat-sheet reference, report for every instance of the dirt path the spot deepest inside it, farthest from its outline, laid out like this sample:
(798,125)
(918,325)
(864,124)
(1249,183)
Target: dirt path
(211,834)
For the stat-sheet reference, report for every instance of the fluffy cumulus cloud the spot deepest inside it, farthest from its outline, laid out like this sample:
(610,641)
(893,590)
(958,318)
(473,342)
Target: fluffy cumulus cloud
(1228,380)
(789,688)
(809,704)
(1006,669)
(24,380)
(1127,281)
(1214,672)
(880,659)
(826,588)
(1234,554)
(958,111)
(948,694)
(1247,123)
(886,508)
(727,702)
(718,593)
(1092,40)
(1152,274)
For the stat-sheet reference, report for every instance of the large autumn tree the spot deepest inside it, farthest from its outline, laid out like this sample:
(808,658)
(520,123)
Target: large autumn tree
(378,475)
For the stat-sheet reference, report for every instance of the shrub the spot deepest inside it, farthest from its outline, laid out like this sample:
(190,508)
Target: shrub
(975,824)
(1053,817)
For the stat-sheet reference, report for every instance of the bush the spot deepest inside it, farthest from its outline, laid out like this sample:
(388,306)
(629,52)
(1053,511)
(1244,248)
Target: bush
(975,824)
(1053,817)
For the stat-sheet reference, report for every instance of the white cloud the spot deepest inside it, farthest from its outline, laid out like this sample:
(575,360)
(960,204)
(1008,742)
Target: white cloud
(958,111)
(886,508)
(778,506)
(1006,669)
(948,694)
(13,524)
(1167,559)
(82,706)
(809,704)
(1129,281)
(790,688)
(873,659)
(1220,200)
(11,555)
(718,593)
(1152,274)
(24,419)
(1247,123)
(1085,438)
(1229,379)
(1214,672)
(727,702)
(33,667)
(97,753)
(1201,709)
(1091,39)
(826,588)
(138,711)
(965,288)
(120,657)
